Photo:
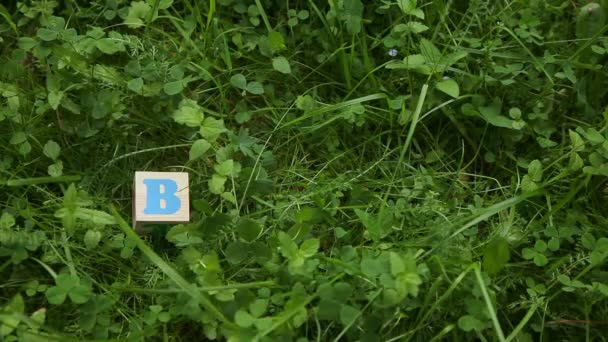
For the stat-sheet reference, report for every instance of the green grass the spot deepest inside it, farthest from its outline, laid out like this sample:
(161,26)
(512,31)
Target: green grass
(365,171)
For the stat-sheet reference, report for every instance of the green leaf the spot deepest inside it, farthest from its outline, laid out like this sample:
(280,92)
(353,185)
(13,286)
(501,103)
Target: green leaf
(258,307)
(176,72)
(237,252)
(164,317)
(248,229)
(535,170)
(576,162)
(293,21)
(328,309)
(416,27)
(164,4)
(553,244)
(80,294)
(261,252)
(412,26)
(496,255)
(225,168)
(289,249)
(199,148)
(12,312)
(528,253)
(173,88)
(202,206)
(55,295)
(594,136)
(540,246)
(6,220)
(242,117)
(47,35)
(543,142)
(492,115)
(601,170)
(212,128)
(26,43)
(92,238)
(407,284)
(255,88)
(397,264)
(56,169)
(540,260)
(25,148)
(353,15)
(229,196)
(96,217)
(308,214)
(371,267)
(281,64)
(276,41)
(469,323)
(305,103)
(52,149)
(109,46)
(600,251)
(515,113)
(309,248)
(377,226)
(54,98)
(239,81)
(449,87)
(527,184)
(65,284)
(342,292)
(407,6)
(243,319)
(136,84)
(348,314)
(216,184)
(587,240)
(415,62)
(430,52)
(137,11)
(577,142)
(189,114)
(18,138)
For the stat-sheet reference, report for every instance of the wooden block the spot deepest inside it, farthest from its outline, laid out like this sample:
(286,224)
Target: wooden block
(161,197)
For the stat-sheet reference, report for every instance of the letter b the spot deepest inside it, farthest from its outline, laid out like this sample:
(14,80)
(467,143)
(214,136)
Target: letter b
(158,192)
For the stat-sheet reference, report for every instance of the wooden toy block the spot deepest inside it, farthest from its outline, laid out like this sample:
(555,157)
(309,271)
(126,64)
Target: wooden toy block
(161,197)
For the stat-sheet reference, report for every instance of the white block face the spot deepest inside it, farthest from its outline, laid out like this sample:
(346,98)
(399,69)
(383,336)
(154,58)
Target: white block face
(161,197)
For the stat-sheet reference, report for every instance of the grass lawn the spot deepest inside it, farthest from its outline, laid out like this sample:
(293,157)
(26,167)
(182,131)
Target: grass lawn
(358,170)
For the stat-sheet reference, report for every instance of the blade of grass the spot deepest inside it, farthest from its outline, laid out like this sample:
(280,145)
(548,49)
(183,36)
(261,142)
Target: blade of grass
(287,314)
(490,307)
(367,62)
(371,300)
(170,271)
(264,16)
(333,107)
(210,13)
(522,323)
(410,133)
(420,319)
(267,283)
(532,56)
(484,215)
(42,180)
(7,16)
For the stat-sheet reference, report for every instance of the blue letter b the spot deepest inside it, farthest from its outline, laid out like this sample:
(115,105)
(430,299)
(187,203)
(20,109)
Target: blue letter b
(155,197)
